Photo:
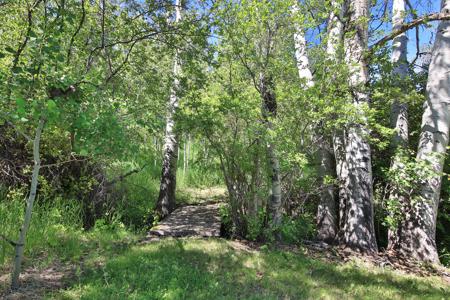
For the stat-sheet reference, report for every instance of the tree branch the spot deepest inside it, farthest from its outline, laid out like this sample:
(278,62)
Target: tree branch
(124,62)
(405,27)
(80,25)
(123,176)
(14,244)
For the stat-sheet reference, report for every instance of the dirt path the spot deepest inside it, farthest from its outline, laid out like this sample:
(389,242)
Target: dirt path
(192,220)
(35,283)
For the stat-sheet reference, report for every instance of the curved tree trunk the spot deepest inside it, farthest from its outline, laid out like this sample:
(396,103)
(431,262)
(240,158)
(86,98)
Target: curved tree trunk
(20,245)
(166,200)
(358,231)
(326,210)
(399,111)
(417,234)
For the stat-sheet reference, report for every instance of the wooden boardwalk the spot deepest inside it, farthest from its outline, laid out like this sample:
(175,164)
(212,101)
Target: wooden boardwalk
(192,220)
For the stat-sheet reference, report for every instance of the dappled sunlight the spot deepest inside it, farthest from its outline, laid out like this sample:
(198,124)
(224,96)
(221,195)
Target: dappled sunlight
(195,268)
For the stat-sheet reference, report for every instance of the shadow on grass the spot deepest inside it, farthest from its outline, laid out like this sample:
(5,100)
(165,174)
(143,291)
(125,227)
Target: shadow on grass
(211,269)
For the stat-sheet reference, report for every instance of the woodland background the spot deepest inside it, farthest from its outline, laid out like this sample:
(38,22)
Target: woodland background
(326,122)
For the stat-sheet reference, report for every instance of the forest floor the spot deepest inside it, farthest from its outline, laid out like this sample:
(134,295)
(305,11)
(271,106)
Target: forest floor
(120,266)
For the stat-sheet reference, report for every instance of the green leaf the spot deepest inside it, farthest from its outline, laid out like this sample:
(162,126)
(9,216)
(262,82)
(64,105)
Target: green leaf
(51,106)
(21,104)
(10,50)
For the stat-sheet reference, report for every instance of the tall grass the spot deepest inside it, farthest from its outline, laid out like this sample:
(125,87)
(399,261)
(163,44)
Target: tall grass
(53,226)
(56,224)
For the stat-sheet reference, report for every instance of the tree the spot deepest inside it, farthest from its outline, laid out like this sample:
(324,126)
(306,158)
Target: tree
(326,210)
(269,112)
(358,225)
(399,110)
(166,199)
(20,244)
(416,233)
(62,70)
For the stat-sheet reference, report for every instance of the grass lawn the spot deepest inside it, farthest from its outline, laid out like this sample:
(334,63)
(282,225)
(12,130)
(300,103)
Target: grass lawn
(219,269)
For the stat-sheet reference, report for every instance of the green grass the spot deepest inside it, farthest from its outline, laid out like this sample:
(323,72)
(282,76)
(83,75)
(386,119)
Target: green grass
(196,196)
(54,231)
(215,269)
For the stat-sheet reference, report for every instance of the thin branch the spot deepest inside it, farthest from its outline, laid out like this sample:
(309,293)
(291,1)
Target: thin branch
(103,23)
(123,176)
(80,25)
(14,244)
(64,162)
(414,23)
(27,35)
(119,68)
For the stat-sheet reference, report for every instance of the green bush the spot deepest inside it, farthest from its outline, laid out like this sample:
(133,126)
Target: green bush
(256,226)
(294,230)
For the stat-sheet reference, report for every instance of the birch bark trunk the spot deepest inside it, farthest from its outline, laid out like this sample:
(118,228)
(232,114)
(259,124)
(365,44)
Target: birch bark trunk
(269,111)
(166,200)
(326,210)
(399,111)
(334,41)
(417,236)
(20,245)
(358,231)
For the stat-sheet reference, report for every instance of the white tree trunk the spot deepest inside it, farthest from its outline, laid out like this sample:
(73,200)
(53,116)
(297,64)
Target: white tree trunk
(166,200)
(399,111)
(269,111)
(20,245)
(342,176)
(417,238)
(358,231)
(184,155)
(399,117)
(188,152)
(334,40)
(304,72)
(334,29)
(326,210)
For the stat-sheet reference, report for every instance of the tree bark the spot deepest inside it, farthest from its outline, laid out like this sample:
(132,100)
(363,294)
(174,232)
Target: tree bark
(326,210)
(166,200)
(269,111)
(342,177)
(358,231)
(327,221)
(20,245)
(399,111)
(304,71)
(417,234)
